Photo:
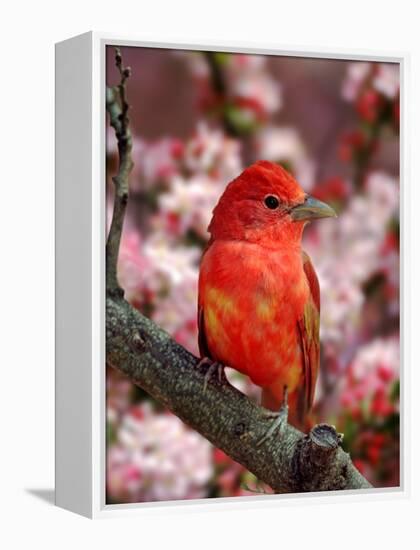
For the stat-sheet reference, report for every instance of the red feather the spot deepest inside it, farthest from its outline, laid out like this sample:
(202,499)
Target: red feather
(258,305)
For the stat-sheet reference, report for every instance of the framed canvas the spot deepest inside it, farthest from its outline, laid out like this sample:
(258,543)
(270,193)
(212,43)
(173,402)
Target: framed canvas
(213,347)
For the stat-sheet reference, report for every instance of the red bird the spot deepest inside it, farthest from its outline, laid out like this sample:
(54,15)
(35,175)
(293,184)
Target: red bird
(258,303)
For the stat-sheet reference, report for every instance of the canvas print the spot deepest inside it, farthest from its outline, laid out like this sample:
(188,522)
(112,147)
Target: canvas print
(252,275)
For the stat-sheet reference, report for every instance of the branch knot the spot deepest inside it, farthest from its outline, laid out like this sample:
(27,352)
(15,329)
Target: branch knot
(316,453)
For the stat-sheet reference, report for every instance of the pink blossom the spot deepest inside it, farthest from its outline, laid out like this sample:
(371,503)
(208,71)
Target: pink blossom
(196,63)
(176,312)
(370,376)
(249,78)
(118,393)
(211,152)
(148,159)
(356,74)
(155,162)
(346,252)
(387,79)
(132,265)
(188,205)
(284,145)
(248,81)
(153,268)
(156,457)
(169,265)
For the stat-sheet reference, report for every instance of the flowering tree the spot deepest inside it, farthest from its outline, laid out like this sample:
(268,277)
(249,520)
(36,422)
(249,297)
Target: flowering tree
(151,454)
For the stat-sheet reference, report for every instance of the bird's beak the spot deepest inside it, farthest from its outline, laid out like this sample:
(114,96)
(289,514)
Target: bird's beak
(311,209)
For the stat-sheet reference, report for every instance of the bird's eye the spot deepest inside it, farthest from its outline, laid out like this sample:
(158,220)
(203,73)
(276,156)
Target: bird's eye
(271,202)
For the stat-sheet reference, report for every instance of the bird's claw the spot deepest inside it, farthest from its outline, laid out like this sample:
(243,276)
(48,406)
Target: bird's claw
(213,367)
(280,419)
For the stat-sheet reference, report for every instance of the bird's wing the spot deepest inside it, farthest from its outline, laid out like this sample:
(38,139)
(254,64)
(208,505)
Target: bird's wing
(202,340)
(308,331)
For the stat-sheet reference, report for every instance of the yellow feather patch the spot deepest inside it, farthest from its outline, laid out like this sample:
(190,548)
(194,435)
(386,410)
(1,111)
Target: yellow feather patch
(265,310)
(212,320)
(219,299)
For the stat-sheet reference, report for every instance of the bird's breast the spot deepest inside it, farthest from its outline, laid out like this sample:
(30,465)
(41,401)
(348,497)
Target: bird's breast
(252,298)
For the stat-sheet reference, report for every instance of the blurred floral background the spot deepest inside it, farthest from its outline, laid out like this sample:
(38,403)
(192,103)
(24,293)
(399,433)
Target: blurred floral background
(198,119)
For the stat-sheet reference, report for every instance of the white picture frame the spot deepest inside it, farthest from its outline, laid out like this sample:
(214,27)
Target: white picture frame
(80,278)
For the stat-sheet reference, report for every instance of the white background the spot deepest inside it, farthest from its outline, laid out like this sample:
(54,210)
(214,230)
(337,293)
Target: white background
(29,30)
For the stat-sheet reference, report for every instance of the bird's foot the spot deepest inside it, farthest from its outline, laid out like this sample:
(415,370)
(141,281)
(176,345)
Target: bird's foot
(280,419)
(213,368)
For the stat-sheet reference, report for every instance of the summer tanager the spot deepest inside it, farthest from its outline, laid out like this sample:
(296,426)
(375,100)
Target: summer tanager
(259,301)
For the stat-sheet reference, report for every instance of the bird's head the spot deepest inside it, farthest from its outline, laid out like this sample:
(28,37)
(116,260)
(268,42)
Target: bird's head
(265,205)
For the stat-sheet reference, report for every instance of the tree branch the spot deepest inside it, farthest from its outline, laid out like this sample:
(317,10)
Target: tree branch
(219,87)
(164,369)
(117,107)
(293,462)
